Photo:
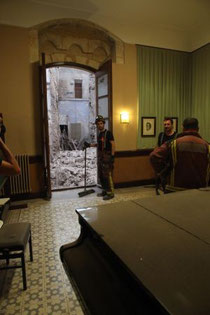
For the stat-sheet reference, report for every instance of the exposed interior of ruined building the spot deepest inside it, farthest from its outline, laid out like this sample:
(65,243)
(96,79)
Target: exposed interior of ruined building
(71,116)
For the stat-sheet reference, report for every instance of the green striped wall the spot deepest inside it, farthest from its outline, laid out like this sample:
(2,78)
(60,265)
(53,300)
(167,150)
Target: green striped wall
(174,84)
(200,102)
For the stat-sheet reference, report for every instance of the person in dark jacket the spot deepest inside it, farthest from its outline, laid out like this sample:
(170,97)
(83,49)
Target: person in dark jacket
(185,160)
(168,134)
(106,150)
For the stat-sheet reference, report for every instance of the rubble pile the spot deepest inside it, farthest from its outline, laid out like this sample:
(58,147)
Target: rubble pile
(68,169)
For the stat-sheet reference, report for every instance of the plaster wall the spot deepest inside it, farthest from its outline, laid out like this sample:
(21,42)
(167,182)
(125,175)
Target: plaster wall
(124,85)
(19,87)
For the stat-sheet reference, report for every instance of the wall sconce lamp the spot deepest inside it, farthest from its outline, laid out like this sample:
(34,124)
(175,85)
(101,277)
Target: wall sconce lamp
(124,118)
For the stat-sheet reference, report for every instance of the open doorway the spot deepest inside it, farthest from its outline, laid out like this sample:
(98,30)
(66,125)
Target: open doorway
(71,104)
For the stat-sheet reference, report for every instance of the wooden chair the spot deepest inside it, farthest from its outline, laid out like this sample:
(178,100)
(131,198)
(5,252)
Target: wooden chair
(13,240)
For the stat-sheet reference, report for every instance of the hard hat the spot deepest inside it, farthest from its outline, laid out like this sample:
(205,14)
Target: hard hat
(99,118)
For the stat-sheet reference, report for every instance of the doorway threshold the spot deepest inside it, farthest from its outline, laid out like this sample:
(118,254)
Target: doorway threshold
(72,193)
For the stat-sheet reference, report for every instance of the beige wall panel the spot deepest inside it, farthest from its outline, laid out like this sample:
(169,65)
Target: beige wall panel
(130,169)
(124,81)
(18,92)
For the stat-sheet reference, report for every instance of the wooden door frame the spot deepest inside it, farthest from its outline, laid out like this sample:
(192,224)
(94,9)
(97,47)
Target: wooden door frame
(45,130)
(104,69)
(46,148)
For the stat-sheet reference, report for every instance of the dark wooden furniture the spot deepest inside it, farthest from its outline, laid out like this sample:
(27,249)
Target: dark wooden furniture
(146,256)
(4,208)
(13,240)
(4,202)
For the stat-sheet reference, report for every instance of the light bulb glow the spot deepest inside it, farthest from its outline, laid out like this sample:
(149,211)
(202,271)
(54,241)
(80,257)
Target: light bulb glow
(124,117)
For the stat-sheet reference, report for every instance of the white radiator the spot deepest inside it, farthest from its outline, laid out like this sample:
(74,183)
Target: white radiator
(20,184)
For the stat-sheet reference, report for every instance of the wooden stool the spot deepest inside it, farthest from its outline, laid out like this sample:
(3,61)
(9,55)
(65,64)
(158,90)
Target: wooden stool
(13,240)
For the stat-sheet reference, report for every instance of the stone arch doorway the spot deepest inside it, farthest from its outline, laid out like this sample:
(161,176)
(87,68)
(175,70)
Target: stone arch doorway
(87,45)
(78,41)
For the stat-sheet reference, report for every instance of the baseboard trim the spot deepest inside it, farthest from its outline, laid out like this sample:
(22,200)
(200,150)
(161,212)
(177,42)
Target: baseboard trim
(20,197)
(143,152)
(135,183)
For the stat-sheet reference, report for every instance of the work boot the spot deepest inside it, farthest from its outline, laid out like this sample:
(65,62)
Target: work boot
(108,197)
(102,194)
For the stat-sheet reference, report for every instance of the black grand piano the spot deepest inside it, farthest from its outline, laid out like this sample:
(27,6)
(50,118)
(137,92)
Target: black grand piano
(146,256)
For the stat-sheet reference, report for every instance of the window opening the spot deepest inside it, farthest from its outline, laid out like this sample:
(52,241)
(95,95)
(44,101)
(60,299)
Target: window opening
(78,88)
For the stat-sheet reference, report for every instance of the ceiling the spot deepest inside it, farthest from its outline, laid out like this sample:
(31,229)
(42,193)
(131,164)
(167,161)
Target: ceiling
(176,24)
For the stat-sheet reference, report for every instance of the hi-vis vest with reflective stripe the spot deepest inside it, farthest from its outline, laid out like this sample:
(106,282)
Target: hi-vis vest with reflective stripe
(173,147)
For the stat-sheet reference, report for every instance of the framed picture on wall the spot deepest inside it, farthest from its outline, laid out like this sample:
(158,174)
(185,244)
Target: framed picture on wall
(175,123)
(148,126)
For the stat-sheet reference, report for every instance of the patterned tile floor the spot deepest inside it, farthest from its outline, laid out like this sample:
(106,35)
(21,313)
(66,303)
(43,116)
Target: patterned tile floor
(54,223)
